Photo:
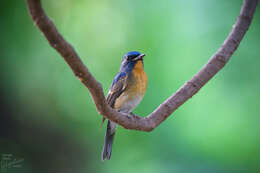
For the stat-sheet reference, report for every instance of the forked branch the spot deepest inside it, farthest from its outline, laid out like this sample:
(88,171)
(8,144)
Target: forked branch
(191,87)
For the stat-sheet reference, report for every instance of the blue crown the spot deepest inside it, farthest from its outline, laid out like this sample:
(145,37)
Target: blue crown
(133,54)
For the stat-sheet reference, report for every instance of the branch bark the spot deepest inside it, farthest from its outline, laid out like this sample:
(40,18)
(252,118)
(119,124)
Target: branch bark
(190,88)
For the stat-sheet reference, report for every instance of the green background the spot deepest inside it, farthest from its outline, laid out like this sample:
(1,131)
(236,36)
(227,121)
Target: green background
(48,117)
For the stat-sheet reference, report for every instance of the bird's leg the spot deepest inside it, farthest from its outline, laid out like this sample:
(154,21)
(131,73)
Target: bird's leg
(131,113)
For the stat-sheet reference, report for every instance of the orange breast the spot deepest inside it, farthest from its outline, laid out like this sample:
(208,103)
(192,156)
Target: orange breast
(135,90)
(139,79)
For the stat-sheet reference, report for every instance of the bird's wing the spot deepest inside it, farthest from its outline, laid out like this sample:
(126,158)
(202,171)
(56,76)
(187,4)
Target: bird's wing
(117,88)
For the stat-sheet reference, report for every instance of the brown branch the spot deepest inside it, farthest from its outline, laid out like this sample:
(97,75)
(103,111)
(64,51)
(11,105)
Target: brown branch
(191,87)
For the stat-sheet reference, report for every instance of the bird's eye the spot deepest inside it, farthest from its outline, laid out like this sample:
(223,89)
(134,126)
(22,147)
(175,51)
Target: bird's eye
(131,57)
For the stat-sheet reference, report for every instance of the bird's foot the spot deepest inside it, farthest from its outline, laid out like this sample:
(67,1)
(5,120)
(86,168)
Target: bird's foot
(131,113)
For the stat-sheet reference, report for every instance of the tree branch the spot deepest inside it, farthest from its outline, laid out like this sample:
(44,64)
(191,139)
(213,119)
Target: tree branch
(190,88)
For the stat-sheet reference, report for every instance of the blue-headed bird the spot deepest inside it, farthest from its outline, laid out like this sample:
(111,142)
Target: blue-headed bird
(125,93)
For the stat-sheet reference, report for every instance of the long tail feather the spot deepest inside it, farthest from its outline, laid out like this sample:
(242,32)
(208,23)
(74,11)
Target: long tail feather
(109,137)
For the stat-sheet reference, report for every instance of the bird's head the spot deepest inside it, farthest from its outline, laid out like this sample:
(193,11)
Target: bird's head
(131,58)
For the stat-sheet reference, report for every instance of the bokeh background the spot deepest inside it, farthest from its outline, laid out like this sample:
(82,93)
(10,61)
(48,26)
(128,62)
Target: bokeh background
(48,117)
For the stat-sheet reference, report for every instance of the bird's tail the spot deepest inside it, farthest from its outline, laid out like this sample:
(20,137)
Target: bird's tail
(109,137)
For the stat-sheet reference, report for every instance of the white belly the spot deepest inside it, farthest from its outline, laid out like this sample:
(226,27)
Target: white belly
(127,107)
(130,104)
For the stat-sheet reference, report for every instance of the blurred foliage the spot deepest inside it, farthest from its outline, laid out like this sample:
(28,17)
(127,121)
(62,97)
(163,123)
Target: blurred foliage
(48,117)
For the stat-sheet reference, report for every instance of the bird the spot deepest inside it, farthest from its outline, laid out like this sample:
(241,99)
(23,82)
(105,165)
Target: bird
(126,92)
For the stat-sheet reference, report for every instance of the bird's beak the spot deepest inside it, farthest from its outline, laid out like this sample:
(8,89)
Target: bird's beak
(140,57)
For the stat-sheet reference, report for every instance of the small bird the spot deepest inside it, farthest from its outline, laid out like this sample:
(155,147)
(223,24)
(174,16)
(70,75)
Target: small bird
(126,92)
